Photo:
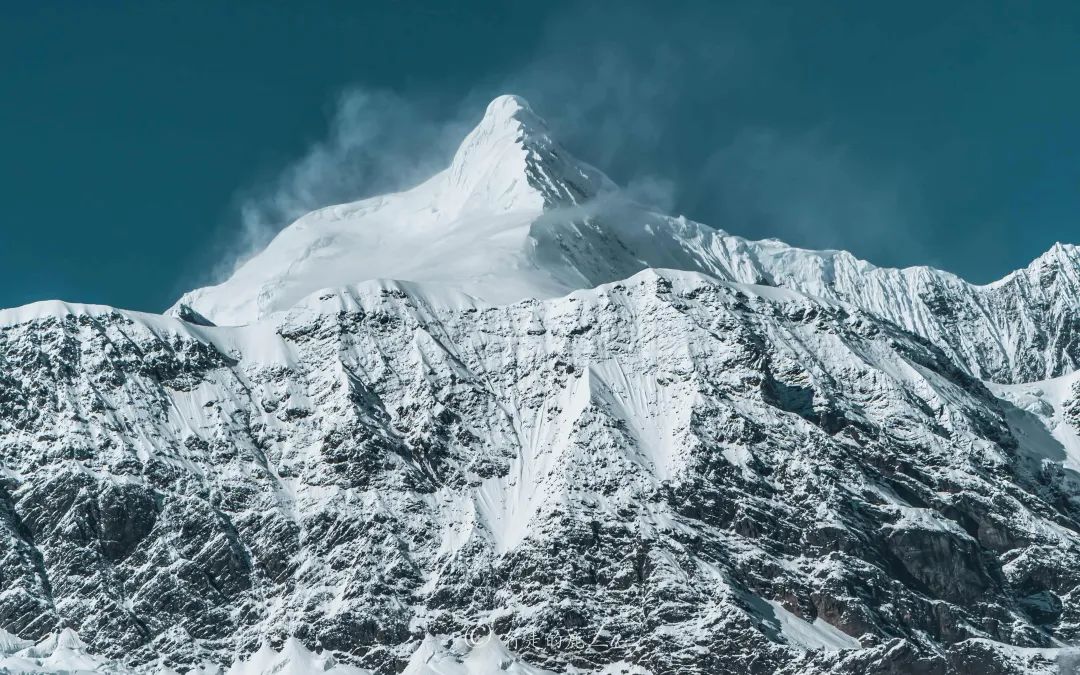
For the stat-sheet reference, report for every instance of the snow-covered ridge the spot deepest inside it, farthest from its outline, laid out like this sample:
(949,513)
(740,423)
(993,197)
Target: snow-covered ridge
(515,216)
(670,471)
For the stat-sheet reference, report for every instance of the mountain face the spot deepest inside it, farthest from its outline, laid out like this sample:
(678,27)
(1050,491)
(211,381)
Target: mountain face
(541,452)
(516,217)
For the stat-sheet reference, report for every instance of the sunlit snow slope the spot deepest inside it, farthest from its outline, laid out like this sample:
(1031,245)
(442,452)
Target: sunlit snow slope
(467,227)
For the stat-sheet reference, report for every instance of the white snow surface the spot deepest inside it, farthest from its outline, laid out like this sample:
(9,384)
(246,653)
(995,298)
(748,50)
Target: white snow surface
(816,634)
(1040,416)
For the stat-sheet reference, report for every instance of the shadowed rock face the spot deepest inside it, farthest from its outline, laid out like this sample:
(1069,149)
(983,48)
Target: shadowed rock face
(946,564)
(691,475)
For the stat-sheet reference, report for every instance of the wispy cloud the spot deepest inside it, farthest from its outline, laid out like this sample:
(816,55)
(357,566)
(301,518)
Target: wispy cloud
(377,142)
(809,192)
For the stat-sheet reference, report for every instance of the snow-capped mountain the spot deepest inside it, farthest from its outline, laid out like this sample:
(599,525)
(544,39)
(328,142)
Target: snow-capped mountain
(516,217)
(466,228)
(541,450)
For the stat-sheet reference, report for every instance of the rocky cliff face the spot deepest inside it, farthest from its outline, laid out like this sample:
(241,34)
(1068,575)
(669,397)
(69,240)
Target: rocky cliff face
(672,471)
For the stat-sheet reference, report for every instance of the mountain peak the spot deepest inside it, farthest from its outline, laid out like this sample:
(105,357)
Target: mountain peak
(469,225)
(507,107)
(510,162)
(513,115)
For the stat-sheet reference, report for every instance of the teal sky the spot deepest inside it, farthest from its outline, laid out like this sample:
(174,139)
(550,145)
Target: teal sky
(144,145)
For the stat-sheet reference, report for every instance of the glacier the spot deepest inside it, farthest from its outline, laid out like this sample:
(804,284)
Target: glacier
(510,420)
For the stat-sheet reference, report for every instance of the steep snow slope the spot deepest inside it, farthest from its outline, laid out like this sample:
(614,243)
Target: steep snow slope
(515,216)
(466,227)
(1047,414)
(1021,328)
(675,472)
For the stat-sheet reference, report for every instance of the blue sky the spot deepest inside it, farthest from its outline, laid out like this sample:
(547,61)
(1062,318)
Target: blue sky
(146,145)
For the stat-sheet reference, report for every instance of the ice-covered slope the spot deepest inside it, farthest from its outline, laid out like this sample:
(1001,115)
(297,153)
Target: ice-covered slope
(1048,414)
(515,216)
(675,472)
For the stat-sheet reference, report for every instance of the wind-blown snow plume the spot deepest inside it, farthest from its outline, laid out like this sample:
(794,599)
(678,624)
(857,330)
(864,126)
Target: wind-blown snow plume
(638,109)
(377,142)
